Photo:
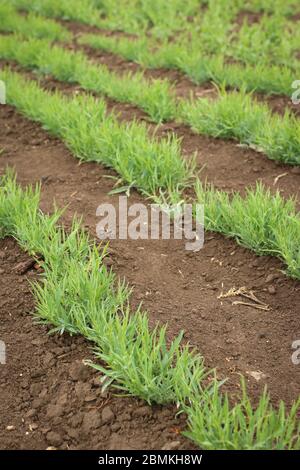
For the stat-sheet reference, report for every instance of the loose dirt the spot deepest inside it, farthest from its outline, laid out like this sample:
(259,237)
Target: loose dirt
(49,398)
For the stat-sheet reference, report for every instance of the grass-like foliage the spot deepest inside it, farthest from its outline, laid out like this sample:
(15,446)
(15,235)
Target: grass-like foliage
(154,97)
(200,67)
(161,17)
(82,123)
(233,115)
(158,16)
(272,40)
(261,221)
(217,425)
(77,10)
(267,48)
(79,295)
(237,115)
(33,25)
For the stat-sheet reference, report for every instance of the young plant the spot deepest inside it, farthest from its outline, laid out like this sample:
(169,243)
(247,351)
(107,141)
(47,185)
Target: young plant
(261,221)
(216,424)
(32,26)
(237,115)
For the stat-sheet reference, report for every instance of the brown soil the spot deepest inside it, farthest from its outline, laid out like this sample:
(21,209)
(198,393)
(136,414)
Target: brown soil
(295,17)
(249,17)
(81,28)
(49,398)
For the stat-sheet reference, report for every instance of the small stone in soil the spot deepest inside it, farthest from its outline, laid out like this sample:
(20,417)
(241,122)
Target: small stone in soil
(79,371)
(271,277)
(107,415)
(54,438)
(54,411)
(91,420)
(173,445)
(143,411)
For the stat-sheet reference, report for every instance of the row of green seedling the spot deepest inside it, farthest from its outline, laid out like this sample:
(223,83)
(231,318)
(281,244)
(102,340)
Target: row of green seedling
(92,134)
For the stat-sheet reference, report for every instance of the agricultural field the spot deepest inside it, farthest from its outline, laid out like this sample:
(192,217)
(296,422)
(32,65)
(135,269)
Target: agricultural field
(113,336)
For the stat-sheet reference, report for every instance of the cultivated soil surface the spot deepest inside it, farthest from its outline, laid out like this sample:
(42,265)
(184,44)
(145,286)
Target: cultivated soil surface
(50,399)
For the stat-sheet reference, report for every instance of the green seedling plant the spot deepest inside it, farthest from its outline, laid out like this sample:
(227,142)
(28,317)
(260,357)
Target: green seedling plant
(79,295)
(76,10)
(236,115)
(270,79)
(215,424)
(195,46)
(272,40)
(32,26)
(286,8)
(183,53)
(264,222)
